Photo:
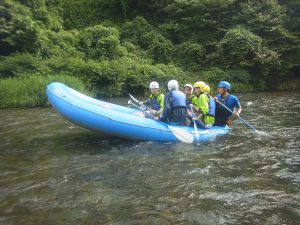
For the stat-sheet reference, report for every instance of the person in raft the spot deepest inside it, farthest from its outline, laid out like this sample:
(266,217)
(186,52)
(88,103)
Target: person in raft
(174,111)
(188,91)
(223,116)
(155,103)
(203,105)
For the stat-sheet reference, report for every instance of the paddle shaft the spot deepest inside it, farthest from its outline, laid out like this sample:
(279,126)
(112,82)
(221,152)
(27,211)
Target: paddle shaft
(195,125)
(139,102)
(139,108)
(134,99)
(240,118)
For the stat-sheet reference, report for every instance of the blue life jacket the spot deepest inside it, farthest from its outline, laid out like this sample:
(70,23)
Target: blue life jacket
(222,114)
(178,99)
(188,102)
(212,106)
(230,101)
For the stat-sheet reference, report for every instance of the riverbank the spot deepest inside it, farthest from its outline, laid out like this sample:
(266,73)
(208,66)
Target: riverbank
(29,91)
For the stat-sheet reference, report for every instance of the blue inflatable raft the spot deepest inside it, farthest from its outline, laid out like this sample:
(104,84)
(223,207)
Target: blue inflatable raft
(121,121)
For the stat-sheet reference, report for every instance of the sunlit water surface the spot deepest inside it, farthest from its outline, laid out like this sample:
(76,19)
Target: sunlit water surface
(53,172)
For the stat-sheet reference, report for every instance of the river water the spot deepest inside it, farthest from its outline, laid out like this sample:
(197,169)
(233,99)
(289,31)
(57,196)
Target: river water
(53,172)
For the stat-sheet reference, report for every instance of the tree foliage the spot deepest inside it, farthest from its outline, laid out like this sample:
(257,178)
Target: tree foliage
(18,30)
(117,46)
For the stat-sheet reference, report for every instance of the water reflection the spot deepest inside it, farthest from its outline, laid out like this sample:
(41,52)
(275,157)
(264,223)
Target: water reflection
(53,172)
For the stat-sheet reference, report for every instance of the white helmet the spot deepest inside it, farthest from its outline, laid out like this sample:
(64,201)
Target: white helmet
(153,84)
(173,85)
(188,85)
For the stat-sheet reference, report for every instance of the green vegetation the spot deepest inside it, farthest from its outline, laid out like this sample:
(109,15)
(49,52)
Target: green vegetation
(119,46)
(29,90)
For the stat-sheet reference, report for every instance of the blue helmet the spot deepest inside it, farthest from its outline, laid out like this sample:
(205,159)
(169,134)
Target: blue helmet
(224,84)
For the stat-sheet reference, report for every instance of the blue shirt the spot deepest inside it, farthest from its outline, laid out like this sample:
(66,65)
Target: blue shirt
(230,101)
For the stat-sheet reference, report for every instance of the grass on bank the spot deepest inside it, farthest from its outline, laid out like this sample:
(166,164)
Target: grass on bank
(30,90)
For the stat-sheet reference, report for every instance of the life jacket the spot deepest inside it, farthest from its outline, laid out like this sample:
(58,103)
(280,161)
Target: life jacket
(194,100)
(221,111)
(153,101)
(189,100)
(212,106)
(222,114)
(178,99)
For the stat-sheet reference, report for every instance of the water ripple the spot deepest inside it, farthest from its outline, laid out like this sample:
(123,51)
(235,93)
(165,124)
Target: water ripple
(53,172)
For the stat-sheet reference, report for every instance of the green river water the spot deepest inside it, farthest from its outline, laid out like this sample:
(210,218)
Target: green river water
(54,172)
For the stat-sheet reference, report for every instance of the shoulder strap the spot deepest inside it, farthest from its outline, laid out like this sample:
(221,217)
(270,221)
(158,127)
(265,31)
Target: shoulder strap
(171,98)
(207,96)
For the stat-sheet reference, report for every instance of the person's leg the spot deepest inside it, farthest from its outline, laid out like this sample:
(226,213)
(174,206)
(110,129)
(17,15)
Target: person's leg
(188,121)
(153,112)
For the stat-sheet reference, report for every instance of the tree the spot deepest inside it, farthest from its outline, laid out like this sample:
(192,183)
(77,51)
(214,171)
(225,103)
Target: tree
(241,48)
(18,30)
(99,42)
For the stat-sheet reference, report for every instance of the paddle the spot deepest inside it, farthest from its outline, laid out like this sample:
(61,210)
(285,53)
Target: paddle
(181,134)
(195,125)
(134,99)
(240,118)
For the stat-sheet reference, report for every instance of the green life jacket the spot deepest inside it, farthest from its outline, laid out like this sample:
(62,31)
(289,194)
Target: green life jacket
(157,101)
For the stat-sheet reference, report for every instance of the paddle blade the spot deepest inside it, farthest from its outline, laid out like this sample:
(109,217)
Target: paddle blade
(262,133)
(182,135)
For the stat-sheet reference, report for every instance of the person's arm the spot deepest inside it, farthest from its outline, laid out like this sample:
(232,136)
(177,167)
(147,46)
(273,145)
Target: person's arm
(238,107)
(195,104)
(160,100)
(203,104)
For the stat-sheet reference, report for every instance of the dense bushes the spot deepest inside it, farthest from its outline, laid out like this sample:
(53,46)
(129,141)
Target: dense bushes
(100,42)
(142,34)
(18,31)
(116,77)
(190,56)
(52,44)
(106,78)
(18,64)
